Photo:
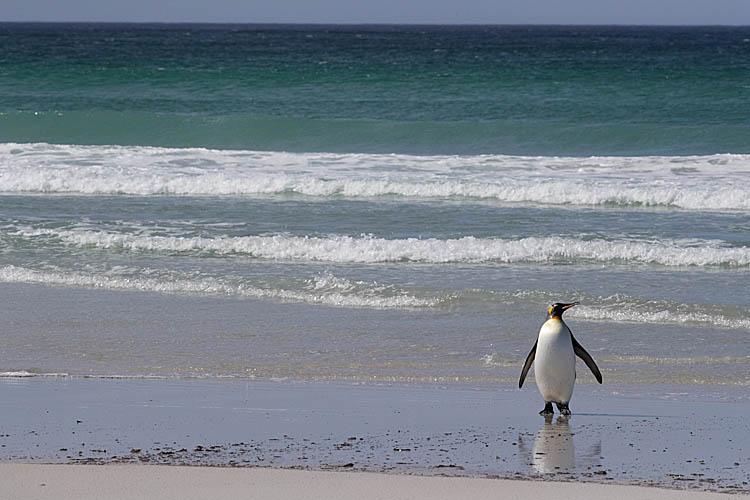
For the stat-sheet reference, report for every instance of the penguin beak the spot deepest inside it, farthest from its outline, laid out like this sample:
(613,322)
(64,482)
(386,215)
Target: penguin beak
(568,306)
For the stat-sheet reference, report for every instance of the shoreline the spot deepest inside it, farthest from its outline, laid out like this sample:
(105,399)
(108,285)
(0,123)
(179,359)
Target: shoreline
(122,482)
(398,430)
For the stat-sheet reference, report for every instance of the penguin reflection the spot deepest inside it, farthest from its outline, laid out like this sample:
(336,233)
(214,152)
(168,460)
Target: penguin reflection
(553,446)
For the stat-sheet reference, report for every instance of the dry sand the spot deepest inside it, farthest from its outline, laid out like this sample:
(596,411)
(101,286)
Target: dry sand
(141,482)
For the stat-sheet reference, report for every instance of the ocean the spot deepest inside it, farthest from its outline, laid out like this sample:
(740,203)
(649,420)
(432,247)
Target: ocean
(374,204)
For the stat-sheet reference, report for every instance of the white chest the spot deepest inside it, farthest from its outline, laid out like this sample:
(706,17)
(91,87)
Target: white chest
(555,362)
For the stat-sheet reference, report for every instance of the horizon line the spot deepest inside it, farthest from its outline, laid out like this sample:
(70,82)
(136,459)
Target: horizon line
(376,24)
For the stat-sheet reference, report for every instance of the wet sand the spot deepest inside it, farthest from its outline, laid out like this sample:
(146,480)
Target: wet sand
(672,440)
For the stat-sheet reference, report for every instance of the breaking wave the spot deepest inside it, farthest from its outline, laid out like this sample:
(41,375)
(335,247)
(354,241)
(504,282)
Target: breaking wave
(712,182)
(370,249)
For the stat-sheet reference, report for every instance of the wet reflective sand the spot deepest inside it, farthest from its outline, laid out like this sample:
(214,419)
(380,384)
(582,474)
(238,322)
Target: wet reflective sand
(611,438)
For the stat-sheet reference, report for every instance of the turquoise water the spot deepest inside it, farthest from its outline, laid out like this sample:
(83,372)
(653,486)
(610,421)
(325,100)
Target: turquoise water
(422,90)
(374,203)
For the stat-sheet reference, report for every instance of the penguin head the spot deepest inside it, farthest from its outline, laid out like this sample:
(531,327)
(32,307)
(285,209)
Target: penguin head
(557,309)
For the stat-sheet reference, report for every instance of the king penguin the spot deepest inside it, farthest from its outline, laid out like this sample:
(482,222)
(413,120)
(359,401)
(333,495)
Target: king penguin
(554,358)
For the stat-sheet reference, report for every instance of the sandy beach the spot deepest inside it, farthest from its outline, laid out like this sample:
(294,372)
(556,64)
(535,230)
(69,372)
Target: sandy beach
(123,482)
(309,260)
(129,437)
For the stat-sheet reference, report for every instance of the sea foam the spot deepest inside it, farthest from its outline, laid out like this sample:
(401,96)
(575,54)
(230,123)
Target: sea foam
(370,249)
(624,308)
(322,290)
(330,290)
(715,182)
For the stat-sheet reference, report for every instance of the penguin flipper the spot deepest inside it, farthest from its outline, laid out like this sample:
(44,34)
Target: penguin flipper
(527,365)
(586,357)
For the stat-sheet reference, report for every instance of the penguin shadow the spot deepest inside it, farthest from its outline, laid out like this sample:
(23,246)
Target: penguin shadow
(554,450)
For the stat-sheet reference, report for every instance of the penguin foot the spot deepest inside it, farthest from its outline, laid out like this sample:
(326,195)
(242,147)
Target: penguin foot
(563,408)
(547,409)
